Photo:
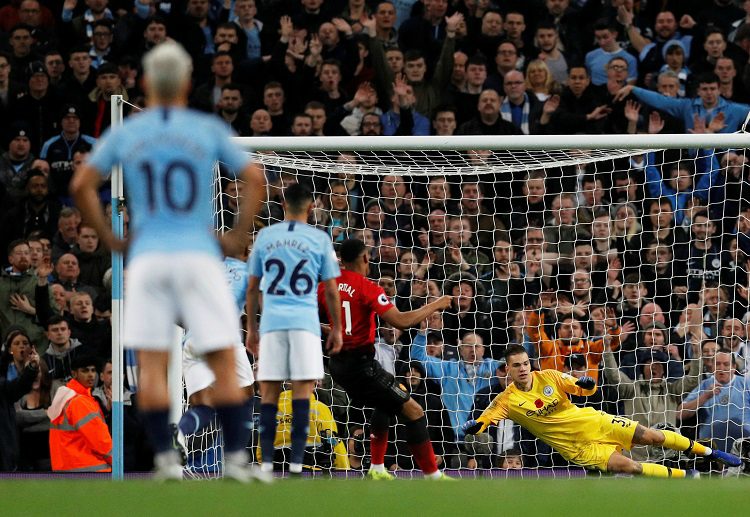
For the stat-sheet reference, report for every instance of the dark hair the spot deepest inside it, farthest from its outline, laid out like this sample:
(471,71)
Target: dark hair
(708,77)
(5,358)
(78,49)
(546,24)
(314,105)
(157,19)
(228,25)
(351,249)
(434,337)
(477,59)
(334,62)
(514,350)
(22,26)
(296,197)
(83,361)
(54,320)
(232,86)
(303,115)
(222,53)
(15,243)
(604,24)
(104,23)
(413,55)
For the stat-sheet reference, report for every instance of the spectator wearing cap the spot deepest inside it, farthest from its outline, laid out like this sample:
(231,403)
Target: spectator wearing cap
(39,108)
(97,115)
(650,399)
(675,61)
(16,162)
(58,151)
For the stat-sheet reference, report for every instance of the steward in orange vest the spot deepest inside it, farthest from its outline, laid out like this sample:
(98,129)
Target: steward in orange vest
(79,440)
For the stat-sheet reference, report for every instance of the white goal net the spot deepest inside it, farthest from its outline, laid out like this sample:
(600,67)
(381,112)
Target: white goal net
(643,240)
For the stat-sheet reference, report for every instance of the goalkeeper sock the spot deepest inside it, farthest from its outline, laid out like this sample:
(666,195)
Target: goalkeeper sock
(196,419)
(420,445)
(300,429)
(157,430)
(267,432)
(660,471)
(677,442)
(233,421)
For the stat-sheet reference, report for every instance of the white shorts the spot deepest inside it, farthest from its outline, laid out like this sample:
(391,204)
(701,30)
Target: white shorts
(189,289)
(198,376)
(294,355)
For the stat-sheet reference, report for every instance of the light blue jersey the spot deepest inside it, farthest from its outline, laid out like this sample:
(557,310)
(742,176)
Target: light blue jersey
(237,276)
(291,258)
(168,156)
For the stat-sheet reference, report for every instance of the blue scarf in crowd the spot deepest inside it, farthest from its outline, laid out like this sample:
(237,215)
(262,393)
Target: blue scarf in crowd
(506,113)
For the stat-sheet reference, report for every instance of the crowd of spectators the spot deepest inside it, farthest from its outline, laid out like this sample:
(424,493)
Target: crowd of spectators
(645,257)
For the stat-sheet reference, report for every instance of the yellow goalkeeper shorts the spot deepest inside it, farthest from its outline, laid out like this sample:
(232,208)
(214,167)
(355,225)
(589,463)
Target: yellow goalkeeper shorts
(615,434)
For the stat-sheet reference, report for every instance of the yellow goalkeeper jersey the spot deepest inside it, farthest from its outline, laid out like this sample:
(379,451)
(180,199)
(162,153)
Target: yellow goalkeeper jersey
(322,425)
(547,412)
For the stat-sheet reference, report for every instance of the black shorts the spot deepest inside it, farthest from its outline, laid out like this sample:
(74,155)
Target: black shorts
(367,382)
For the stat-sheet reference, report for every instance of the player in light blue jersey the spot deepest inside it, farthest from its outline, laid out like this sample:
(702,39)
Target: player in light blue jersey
(199,379)
(288,260)
(174,272)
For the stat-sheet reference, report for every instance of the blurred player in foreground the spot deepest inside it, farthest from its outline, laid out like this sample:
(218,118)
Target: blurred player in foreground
(364,379)
(174,271)
(593,439)
(288,260)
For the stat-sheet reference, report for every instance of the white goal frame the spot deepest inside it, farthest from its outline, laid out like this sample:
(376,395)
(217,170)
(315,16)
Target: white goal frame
(631,143)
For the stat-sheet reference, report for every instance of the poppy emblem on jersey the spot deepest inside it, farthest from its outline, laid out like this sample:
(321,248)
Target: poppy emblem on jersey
(538,403)
(383,300)
(547,391)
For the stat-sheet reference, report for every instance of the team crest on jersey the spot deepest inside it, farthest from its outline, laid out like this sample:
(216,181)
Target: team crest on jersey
(383,300)
(548,391)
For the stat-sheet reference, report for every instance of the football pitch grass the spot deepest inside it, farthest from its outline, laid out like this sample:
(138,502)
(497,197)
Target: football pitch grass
(332,497)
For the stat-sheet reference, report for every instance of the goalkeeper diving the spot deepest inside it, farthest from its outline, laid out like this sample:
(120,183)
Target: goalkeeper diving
(539,401)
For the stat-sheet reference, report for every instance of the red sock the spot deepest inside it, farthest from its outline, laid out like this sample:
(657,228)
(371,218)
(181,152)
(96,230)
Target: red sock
(424,455)
(378,445)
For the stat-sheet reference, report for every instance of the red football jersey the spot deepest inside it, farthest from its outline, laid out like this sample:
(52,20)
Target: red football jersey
(361,300)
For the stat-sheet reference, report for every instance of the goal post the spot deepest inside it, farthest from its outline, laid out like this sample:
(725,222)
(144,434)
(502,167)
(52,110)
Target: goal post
(500,168)
(498,165)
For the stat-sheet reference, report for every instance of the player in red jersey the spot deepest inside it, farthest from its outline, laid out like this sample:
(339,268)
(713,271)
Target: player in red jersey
(364,379)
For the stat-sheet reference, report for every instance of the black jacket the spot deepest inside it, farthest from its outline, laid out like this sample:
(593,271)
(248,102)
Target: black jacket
(10,392)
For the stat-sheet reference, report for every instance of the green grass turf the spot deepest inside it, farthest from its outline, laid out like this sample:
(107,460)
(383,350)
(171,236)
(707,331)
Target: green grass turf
(305,498)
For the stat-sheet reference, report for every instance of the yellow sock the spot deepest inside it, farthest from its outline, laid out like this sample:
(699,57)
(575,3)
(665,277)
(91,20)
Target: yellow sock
(678,442)
(660,471)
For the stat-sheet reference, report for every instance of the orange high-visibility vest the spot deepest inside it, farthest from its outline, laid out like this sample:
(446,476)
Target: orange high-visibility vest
(79,440)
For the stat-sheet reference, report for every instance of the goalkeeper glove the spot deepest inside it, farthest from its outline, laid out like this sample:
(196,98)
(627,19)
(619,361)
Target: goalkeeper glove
(471,427)
(586,382)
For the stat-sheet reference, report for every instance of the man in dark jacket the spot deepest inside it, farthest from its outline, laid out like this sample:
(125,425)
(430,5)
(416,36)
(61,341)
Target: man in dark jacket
(488,120)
